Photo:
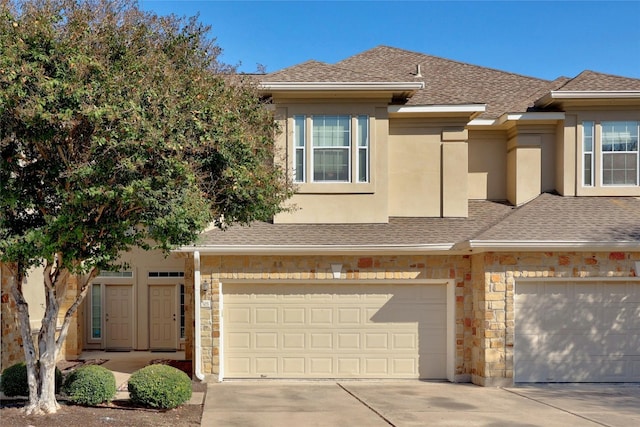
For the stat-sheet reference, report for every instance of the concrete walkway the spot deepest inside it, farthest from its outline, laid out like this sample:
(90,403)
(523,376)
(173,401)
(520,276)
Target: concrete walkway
(416,403)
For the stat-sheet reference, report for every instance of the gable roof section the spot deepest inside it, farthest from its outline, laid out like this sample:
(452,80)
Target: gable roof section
(453,82)
(553,221)
(592,81)
(592,87)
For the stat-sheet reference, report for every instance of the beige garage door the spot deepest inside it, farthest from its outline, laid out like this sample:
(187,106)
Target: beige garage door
(334,331)
(577,332)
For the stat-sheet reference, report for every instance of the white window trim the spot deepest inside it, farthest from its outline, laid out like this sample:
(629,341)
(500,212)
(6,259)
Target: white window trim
(354,185)
(602,154)
(592,152)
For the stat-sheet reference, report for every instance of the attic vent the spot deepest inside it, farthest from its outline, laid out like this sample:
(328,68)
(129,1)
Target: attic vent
(418,74)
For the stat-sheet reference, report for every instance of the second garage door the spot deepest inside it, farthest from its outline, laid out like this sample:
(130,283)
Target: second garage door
(334,331)
(577,331)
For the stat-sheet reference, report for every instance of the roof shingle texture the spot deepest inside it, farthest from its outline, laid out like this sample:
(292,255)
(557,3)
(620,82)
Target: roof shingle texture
(570,219)
(398,231)
(549,218)
(590,80)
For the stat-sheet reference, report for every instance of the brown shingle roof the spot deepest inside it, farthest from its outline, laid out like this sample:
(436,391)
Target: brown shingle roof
(555,218)
(452,82)
(314,71)
(447,82)
(590,80)
(398,231)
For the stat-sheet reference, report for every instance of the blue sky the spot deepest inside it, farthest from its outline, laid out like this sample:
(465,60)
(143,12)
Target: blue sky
(544,39)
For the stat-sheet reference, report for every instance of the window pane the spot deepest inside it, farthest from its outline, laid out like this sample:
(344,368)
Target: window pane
(299,138)
(299,167)
(182,318)
(620,169)
(331,164)
(331,131)
(587,129)
(363,131)
(298,130)
(620,136)
(363,165)
(588,169)
(96,311)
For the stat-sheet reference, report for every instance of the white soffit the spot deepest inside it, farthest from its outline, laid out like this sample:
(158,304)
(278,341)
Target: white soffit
(462,108)
(591,94)
(512,117)
(578,95)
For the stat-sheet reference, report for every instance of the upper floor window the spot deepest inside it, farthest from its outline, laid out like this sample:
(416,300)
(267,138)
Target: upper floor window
(620,153)
(331,148)
(616,144)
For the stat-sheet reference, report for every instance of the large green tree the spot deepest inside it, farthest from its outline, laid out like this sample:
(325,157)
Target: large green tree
(118,129)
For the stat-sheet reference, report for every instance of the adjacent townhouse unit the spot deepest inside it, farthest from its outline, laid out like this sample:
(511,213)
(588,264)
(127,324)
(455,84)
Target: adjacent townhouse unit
(451,221)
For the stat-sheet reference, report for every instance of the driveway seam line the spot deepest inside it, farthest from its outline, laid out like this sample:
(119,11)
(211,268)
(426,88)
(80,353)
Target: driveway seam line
(367,405)
(556,407)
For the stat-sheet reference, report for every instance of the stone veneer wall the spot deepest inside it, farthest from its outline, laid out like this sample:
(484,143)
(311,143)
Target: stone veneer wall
(494,277)
(485,285)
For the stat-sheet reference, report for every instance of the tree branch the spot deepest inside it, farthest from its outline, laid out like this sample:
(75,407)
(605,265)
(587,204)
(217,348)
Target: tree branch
(87,280)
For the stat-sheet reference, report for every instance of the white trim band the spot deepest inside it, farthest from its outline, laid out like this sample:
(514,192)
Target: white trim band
(386,86)
(462,108)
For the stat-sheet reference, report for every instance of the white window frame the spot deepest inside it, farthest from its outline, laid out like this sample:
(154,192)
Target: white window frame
(604,153)
(591,125)
(356,146)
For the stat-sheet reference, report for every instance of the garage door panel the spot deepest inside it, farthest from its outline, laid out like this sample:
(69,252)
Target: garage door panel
(335,331)
(592,337)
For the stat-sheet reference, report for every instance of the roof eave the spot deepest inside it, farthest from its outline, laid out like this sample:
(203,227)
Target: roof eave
(405,89)
(510,119)
(585,95)
(467,110)
(544,245)
(315,249)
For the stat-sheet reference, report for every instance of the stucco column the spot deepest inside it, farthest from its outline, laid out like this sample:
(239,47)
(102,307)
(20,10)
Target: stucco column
(455,171)
(524,167)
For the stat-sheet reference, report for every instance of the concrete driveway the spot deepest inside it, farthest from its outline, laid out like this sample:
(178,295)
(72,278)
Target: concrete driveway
(416,403)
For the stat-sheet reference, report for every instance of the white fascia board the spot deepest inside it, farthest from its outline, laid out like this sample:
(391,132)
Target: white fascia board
(338,86)
(541,245)
(462,108)
(594,94)
(535,116)
(314,249)
(532,116)
(482,122)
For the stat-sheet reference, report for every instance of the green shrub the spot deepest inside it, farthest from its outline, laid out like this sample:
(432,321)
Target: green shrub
(90,385)
(13,381)
(159,386)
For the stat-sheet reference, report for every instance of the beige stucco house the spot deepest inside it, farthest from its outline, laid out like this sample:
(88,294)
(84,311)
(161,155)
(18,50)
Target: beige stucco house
(450,222)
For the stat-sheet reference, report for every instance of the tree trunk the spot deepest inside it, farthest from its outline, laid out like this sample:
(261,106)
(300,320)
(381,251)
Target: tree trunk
(30,355)
(47,345)
(41,366)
